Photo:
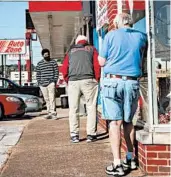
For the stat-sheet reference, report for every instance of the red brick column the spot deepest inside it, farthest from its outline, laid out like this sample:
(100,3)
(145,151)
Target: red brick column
(153,159)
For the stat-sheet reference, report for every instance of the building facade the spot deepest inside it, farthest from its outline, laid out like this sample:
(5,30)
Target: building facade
(153,18)
(63,21)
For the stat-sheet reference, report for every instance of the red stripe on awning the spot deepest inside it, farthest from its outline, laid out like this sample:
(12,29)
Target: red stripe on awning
(44,6)
(138,4)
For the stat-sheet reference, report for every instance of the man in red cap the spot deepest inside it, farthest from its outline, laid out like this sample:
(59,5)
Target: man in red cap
(82,72)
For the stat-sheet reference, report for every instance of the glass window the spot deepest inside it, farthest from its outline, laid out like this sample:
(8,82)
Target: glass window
(161,61)
(5,84)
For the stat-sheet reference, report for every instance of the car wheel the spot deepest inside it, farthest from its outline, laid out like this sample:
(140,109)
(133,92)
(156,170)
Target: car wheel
(40,93)
(1,112)
(20,115)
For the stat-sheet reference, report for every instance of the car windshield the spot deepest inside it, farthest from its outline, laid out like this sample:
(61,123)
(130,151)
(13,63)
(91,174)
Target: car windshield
(13,83)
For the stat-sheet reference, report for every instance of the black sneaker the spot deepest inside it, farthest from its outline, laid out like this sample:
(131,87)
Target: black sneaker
(91,138)
(130,164)
(115,171)
(75,139)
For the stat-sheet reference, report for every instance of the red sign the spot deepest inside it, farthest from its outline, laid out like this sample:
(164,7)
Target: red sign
(12,46)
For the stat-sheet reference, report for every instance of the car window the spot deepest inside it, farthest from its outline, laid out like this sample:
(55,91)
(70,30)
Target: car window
(5,84)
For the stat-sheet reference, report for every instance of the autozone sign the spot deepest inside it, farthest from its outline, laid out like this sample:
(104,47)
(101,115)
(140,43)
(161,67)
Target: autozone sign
(12,46)
(25,56)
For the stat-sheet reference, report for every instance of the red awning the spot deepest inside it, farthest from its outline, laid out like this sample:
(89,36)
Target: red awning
(56,23)
(44,6)
(138,4)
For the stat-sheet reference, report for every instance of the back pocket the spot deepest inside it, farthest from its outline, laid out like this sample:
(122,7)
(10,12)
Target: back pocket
(109,91)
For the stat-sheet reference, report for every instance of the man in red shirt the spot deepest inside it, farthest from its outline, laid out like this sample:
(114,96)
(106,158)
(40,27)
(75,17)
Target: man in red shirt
(81,71)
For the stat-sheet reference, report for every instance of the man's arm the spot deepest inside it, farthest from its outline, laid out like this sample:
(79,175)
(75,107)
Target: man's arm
(104,52)
(38,74)
(56,72)
(65,67)
(97,69)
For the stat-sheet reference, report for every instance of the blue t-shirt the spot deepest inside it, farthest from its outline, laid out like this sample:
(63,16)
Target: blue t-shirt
(123,50)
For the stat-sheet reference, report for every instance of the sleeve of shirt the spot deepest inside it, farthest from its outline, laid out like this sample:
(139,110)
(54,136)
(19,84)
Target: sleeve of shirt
(38,74)
(105,47)
(65,67)
(56,71)
(97,68)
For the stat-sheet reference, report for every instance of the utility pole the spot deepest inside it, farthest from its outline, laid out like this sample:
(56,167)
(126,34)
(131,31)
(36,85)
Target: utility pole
(2,62)
(20,75)
(5,59)
(31,55)
(50,20)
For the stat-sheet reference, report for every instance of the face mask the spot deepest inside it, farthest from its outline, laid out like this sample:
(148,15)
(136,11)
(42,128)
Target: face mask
(47,58)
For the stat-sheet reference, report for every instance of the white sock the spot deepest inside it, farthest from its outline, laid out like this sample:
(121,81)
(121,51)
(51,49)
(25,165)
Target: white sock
(117,162)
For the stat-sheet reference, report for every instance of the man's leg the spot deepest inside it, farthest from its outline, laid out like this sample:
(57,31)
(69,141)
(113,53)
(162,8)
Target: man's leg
(52,100)
(74,97)
(112,101)
(115,140)
(130,107)
(89,88)
(46,98)
(129,135)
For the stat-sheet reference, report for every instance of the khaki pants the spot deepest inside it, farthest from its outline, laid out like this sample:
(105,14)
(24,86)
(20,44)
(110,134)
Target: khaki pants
(89,88)
(49,96)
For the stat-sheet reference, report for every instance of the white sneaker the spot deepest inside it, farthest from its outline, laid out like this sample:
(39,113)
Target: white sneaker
(129,164)
(115,171)
(47,116)
(54,116)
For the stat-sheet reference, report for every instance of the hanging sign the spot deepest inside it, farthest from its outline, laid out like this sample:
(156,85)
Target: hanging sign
(101,13)
(12,46)
(25,56)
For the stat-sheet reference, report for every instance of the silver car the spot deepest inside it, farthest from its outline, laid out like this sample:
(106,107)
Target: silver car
(33,103)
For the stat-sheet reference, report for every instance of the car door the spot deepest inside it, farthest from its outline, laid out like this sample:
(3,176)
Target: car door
(7,87)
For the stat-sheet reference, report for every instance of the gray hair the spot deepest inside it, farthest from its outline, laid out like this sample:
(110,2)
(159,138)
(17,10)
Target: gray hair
(123,19)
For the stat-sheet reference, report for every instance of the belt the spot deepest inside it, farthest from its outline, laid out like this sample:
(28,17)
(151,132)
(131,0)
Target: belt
(121,77)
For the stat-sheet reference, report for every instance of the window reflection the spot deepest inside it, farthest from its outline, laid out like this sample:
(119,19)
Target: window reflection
(162,59)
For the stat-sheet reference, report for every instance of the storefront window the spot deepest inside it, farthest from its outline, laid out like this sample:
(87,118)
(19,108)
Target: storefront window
(161,61)
(139,18)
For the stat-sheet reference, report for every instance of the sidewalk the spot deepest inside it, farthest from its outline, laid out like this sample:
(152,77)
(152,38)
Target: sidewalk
(44,150)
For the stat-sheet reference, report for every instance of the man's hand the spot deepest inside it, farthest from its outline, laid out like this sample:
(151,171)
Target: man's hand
(101,61)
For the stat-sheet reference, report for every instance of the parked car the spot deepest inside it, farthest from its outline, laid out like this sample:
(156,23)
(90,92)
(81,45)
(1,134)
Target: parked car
(33,103)
(11,106)
(8,86)
(30,84)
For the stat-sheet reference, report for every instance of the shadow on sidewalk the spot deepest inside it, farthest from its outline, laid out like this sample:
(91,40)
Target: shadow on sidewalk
(15,118)
(101,136)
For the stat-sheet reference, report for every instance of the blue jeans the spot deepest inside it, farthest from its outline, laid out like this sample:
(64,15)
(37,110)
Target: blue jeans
(119,99)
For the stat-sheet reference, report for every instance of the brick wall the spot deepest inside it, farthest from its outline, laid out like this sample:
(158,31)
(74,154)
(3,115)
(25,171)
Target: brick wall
(153,159)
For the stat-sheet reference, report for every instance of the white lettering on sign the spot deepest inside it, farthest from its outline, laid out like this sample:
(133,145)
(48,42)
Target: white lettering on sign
(12,46)
(25,56)
(101,13)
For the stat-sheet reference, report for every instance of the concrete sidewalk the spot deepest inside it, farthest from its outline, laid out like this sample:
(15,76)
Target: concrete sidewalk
(44,150)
